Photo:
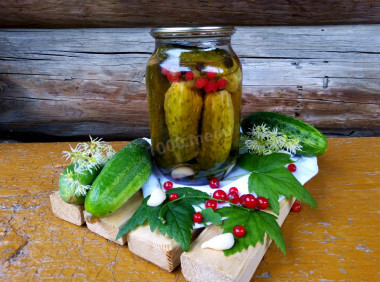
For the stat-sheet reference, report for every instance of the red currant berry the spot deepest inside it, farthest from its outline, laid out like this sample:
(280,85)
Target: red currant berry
(234,189)
(222,83)
(173,196)
(214,183)
(263,203)
(292,168)
(172,77)
(239,231)
(200,82)
(189,75)
(220,195)
(250,201)
(211,86)
(242,199)
(164,71)
(296,207)
(168,185)
(233,198)
(197,217)
(210,74)
(211,204)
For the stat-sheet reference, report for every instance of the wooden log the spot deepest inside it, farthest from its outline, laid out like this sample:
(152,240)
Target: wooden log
(71,83)
(108,227)
(211,265)
(156,248)
(65,211)
(102,13)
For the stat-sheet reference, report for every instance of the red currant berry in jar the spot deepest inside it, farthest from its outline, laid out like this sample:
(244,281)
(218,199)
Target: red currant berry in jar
(211,204)
(239,231)
(234,190)
(189,75)
(214,183)
(292,168)
(197,217)
(200,82)
(164,71)
(173,77)
(210,74)
(233,198)
(242,199)
(263,203)
(168,185)
(250,201)
(220,195)
(173,196)
(296,207)
(211,86)
(222,83)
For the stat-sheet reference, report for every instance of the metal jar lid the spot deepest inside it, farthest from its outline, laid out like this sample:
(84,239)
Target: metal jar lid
(199,31)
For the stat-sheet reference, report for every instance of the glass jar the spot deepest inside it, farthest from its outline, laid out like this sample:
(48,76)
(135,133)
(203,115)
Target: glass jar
(193,81)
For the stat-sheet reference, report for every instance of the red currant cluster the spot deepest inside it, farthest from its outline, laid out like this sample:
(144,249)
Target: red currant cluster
(209,83)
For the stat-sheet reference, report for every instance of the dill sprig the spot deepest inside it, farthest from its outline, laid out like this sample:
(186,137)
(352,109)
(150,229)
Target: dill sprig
(263,140)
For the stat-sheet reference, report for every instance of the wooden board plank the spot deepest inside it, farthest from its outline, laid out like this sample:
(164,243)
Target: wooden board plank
(108,227)
(337,241)
(72,83)
(49,13)
(65,211)
(210,265)
(156,248)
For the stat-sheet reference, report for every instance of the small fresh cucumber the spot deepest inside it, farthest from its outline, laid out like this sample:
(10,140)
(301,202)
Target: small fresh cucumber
(74,182)
(120,178)
(313,142)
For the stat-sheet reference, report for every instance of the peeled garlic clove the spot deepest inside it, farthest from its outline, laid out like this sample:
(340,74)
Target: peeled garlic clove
(156,198)
(181,172)
(220,242)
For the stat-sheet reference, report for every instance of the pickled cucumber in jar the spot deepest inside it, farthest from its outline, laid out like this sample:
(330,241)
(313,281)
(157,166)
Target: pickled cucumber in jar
(194,97)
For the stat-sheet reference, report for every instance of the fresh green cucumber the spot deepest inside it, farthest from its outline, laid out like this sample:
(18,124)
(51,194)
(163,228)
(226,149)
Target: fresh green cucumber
(120,178)
(75,181)
(313,142)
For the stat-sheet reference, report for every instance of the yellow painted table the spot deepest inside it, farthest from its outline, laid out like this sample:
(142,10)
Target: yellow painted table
(337,241)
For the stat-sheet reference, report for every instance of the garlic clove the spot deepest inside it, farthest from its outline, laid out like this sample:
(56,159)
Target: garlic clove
(181,172)
(220,242)
(156,198)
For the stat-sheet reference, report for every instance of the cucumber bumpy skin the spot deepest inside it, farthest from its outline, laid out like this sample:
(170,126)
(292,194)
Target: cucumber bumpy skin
(120,179)
(183,107)
(217,129)
(73,176)
(313,142)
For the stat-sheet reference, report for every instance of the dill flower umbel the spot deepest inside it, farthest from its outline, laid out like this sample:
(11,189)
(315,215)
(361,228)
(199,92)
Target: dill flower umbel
(264,141)
(92,155)
(88,158)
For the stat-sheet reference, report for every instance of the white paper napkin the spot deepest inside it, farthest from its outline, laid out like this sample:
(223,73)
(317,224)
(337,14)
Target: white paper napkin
(307,168)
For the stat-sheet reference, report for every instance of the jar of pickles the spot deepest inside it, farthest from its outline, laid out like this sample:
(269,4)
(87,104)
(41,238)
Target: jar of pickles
(194,87)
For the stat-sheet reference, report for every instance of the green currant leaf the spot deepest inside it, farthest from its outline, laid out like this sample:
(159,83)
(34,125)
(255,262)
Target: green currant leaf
(194,197)
(256,224)
(270,179)
(252,162)
(154,220)
(179,217)
(209,215)
(138,218)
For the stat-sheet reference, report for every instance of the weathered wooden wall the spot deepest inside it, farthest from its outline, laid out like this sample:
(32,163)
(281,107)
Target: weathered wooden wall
(75,82)
(137,13)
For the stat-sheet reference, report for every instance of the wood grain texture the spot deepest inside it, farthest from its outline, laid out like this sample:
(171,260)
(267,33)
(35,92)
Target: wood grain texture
(72,83)
(200,265)
(132,13)
(336,241)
